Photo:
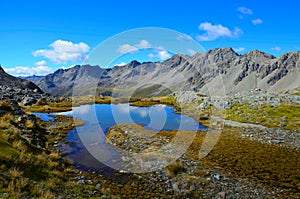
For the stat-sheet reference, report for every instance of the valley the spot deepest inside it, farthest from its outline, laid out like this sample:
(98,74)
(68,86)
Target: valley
(248,148)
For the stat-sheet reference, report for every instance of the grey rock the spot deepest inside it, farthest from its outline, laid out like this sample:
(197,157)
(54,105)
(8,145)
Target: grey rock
(217,176)
(277,141)
(16,108)
(81,182)
(28,101)
(239,73)
(105,196)
(98,186)
(204,105)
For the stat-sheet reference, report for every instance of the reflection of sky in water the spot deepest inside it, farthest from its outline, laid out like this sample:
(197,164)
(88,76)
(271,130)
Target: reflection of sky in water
(158,117)
(89,139)
(44,116)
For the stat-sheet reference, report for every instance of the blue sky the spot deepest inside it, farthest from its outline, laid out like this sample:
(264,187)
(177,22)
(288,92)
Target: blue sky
(38,37)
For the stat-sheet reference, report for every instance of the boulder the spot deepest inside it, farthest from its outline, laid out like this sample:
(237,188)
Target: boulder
(29,101)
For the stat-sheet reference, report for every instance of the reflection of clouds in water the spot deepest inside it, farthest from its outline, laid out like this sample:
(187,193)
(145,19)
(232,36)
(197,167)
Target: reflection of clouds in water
(158,117)
(142,113)
(124,108)
(186,120)
(64,113)
(82,110)
(188,123)
(86,113)
(158,108)
(121,113)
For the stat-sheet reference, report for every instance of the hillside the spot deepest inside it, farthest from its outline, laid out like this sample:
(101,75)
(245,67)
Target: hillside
(200,73)
(21,90)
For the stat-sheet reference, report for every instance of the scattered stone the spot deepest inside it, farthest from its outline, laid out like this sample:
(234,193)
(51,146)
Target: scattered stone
(81,182)
(98,186)
(217,176)
(28,101)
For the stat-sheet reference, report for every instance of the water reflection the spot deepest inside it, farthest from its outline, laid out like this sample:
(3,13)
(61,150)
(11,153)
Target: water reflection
(90,138)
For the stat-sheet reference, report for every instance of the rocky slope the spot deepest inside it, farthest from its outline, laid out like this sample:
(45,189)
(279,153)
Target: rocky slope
(204,73)
(62,80)
(20,90)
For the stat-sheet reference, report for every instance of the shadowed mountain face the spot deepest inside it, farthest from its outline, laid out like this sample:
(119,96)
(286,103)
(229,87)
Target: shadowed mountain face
(204,72)
(19,90)
(14,82)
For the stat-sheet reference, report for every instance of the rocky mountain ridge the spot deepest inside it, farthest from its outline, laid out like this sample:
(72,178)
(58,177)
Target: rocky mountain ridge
(218,71)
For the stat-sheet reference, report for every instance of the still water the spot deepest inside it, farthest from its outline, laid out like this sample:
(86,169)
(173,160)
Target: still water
(99,118)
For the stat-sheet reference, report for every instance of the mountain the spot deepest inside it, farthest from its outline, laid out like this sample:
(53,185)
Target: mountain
(32,78)
(20,90)
(205,73)
(62,80)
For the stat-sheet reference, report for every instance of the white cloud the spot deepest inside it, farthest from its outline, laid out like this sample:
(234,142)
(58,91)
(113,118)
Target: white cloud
(128,48)
(40,69)
(121,64)
(63,51)
(276,48)
(239,49)
(184,37)
(245,11)
(41,63)
(213,32)
(67,67)
(143,44)
(161,54)
(151,56)
(257,21)
(191,52)
(28,71)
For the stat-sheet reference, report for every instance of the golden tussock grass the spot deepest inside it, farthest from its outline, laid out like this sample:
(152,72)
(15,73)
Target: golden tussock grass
(175,168)
(268,164)
(15,172)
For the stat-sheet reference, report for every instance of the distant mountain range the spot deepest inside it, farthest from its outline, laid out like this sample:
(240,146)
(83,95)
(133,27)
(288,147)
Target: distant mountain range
(32,78)
(202,73)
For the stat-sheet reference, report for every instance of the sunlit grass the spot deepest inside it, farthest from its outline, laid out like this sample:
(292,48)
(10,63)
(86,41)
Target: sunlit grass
(272,165)
(271,116)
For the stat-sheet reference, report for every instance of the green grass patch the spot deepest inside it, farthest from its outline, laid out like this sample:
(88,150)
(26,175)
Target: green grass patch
(147,91)
(285,115)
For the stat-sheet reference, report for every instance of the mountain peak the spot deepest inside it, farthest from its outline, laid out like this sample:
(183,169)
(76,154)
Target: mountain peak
(219,54)
(257,53)
(134,63)
(176,60)
(223,51)
(178,57)
(238,72)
